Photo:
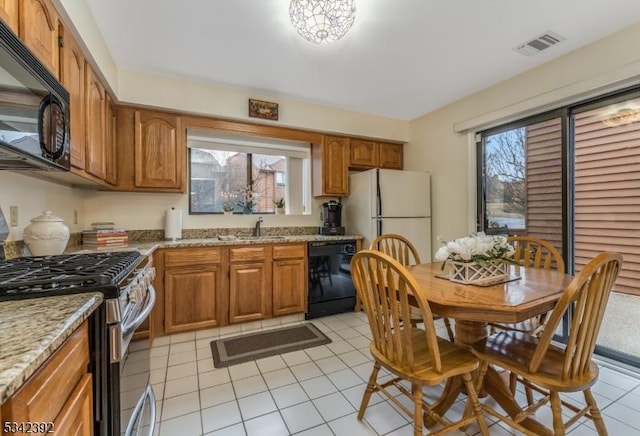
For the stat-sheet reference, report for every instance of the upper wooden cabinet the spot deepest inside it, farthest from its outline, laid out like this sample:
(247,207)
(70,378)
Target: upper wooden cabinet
(330,160)
(110,141)
(39,26)
(9,14)
(364,154)
(391,156)
(95,109)
(72,76)
(371,154)
(151,151)
(159,150)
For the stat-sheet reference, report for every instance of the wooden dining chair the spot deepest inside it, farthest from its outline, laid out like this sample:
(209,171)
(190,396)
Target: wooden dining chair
(536,253)
(552,369)
(402,250)
(410,354)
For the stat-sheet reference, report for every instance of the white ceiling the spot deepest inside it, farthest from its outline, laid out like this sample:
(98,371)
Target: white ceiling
(401,59)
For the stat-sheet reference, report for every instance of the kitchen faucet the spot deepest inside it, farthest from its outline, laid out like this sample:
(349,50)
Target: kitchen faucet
(257,229)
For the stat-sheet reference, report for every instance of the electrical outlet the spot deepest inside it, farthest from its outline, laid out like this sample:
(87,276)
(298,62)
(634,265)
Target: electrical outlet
(75,216)
(13,216)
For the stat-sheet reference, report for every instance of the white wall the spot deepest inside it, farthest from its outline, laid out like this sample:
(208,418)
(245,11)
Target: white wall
(33,196)
(135,211)
(223,101)
(435,145)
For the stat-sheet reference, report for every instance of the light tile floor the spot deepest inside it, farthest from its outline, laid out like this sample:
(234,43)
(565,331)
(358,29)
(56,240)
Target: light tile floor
(317,392)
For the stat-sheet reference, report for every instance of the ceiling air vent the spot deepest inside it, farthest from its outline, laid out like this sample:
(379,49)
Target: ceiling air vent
(540,43)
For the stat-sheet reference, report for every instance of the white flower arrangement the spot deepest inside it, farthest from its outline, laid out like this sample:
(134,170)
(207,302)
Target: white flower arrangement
(479,248)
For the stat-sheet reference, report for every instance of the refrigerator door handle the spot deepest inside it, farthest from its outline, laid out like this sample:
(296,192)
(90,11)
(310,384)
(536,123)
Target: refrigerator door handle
(379,226)
(378,195)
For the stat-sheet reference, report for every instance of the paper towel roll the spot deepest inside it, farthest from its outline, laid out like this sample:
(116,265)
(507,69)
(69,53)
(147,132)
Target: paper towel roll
(173,224)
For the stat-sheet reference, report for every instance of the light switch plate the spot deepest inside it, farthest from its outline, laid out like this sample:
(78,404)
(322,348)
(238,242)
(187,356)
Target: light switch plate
(13,216)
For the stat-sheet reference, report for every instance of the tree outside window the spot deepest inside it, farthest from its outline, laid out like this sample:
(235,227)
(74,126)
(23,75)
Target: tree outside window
(218,175)
(505,179)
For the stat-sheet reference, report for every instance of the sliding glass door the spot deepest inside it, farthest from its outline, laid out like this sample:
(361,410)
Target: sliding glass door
(521,183)
(606,140)
(572,177)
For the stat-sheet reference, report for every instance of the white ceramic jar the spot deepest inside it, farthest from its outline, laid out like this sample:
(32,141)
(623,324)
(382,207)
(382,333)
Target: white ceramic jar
(47,235)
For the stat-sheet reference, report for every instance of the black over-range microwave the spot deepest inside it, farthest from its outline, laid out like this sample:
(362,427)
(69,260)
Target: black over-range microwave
(34,111)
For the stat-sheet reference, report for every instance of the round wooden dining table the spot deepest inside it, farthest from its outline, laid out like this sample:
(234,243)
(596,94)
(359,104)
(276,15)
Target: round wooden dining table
(525,293)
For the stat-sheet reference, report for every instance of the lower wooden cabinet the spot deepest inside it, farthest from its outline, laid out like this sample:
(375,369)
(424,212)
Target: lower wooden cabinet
(193,281)
(289,279)
(208,287)
(76,419)
(249,283)
(60,392)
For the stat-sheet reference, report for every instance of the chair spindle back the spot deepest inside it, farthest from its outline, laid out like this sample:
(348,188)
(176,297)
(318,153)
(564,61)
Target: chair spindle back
(398,247)
(535,252)
(384,287)
(590,291)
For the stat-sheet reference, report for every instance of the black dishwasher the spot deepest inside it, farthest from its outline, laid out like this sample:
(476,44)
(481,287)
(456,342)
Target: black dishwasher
(331,289)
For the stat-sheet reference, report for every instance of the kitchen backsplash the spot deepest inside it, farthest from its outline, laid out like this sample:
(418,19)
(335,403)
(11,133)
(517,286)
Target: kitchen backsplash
(15,249)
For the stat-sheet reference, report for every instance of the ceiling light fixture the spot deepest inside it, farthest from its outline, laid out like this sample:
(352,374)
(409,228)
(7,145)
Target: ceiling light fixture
(321,21)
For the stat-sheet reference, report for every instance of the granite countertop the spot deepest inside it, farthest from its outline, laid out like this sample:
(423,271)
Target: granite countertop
(148,247)
(31,330)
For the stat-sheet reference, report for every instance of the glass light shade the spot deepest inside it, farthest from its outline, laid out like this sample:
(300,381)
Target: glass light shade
(321,21)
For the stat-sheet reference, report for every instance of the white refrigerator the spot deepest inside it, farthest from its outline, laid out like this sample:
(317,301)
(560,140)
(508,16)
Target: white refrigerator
(390,201)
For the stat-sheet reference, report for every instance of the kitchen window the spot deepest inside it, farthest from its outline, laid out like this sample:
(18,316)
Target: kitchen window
(247,174)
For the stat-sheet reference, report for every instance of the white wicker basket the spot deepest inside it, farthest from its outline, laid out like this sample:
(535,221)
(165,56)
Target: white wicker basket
(472,273)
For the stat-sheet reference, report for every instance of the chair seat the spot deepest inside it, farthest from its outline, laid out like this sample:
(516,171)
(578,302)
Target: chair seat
(514,351)
(455,360)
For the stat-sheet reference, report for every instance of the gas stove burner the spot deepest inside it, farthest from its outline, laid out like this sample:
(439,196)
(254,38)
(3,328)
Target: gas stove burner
(64,274)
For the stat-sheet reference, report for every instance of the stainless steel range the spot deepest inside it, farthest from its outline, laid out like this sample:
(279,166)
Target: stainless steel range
(124,402)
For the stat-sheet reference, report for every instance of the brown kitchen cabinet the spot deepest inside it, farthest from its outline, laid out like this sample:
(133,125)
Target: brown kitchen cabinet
(193,289)
(205,287)
(60,392)
(9,14)
(72,76)
(249,283)
(111,176)
(159,150)
(39,27)
(363,154)
(391,156)
(366,154)
(151,152)
(289,279)
(330,163)
(95,124)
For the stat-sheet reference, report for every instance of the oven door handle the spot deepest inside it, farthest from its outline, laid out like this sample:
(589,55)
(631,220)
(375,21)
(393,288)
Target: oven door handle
(149,396)
(129,327)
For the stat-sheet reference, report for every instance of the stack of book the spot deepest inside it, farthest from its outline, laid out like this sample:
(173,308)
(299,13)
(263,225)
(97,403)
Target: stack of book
(105,238)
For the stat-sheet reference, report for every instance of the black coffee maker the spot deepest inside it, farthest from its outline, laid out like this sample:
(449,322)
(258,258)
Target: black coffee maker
(331,219)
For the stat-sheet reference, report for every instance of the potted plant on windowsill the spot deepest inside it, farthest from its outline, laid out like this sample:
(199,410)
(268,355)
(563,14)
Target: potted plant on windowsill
(228,200)
(279,206)
(248,197)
